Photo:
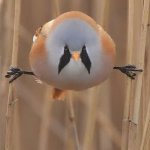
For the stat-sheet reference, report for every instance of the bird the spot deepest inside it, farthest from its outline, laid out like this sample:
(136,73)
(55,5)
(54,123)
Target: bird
(72,52)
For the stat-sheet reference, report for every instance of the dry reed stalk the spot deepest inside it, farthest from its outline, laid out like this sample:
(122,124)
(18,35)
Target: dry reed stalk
(136,44)
(125,126)
(109,128)
(141,56)
(146,131)
(53,125)
(77,5)
(5,53)
(106,137)
(73,142)
(135,107)
(25,34)
(11,98)
(90,119)
(73,121)
(1,3)
(99,10)
(45,119)
(133,99)
(57,8)
(16,129)
(144,34)
(105,8)
(105,108)
(143,138)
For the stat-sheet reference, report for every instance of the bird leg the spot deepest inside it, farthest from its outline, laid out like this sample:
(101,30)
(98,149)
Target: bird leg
(13,73)
(129,70)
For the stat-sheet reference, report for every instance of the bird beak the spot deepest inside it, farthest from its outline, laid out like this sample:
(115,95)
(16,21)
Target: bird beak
(76,55)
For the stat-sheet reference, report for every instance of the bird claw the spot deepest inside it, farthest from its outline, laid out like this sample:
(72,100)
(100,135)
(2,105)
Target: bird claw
(13,73)
(129,70)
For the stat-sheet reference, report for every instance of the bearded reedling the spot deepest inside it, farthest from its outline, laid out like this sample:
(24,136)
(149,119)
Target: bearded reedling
(72,52)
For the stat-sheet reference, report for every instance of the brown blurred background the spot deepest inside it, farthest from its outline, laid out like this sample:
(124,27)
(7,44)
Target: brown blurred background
(32,121)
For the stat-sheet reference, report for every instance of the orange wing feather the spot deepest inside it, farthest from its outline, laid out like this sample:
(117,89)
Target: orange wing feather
(107,42)
(38,53)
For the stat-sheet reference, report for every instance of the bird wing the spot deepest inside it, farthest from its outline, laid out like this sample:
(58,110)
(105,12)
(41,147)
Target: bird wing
(107,42)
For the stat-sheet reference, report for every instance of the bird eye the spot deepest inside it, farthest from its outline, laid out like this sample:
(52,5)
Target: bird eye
(34,38)
(38,31)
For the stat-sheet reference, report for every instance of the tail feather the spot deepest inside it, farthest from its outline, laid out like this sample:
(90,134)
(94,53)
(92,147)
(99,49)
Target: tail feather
(58,94)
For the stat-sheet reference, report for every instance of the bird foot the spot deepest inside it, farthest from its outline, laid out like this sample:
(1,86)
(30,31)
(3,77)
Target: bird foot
(129,70)
(13,73)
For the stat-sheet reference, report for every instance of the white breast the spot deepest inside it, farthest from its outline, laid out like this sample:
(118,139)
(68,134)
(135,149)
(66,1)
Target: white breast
(76,33)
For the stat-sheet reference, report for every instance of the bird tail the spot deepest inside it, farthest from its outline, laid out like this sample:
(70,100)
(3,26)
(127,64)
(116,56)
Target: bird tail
(58,94)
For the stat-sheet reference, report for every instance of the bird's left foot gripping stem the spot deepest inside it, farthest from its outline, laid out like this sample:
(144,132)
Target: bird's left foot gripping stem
(13,73)
(129,70)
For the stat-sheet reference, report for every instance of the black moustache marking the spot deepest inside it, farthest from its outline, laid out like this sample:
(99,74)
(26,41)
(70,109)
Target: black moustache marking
(85,59)
(64,60)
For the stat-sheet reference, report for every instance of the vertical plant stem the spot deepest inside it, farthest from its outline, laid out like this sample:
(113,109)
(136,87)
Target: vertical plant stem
(144,27)
(11,98)
(146,126)
(57,7)
(45,119)
(109,128)
(125,126)
(141,55)
(90,119)
(73,122)
(133,99)
(5,53)
(16,32)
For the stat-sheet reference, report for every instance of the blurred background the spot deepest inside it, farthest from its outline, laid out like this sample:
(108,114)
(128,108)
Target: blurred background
(30,120)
